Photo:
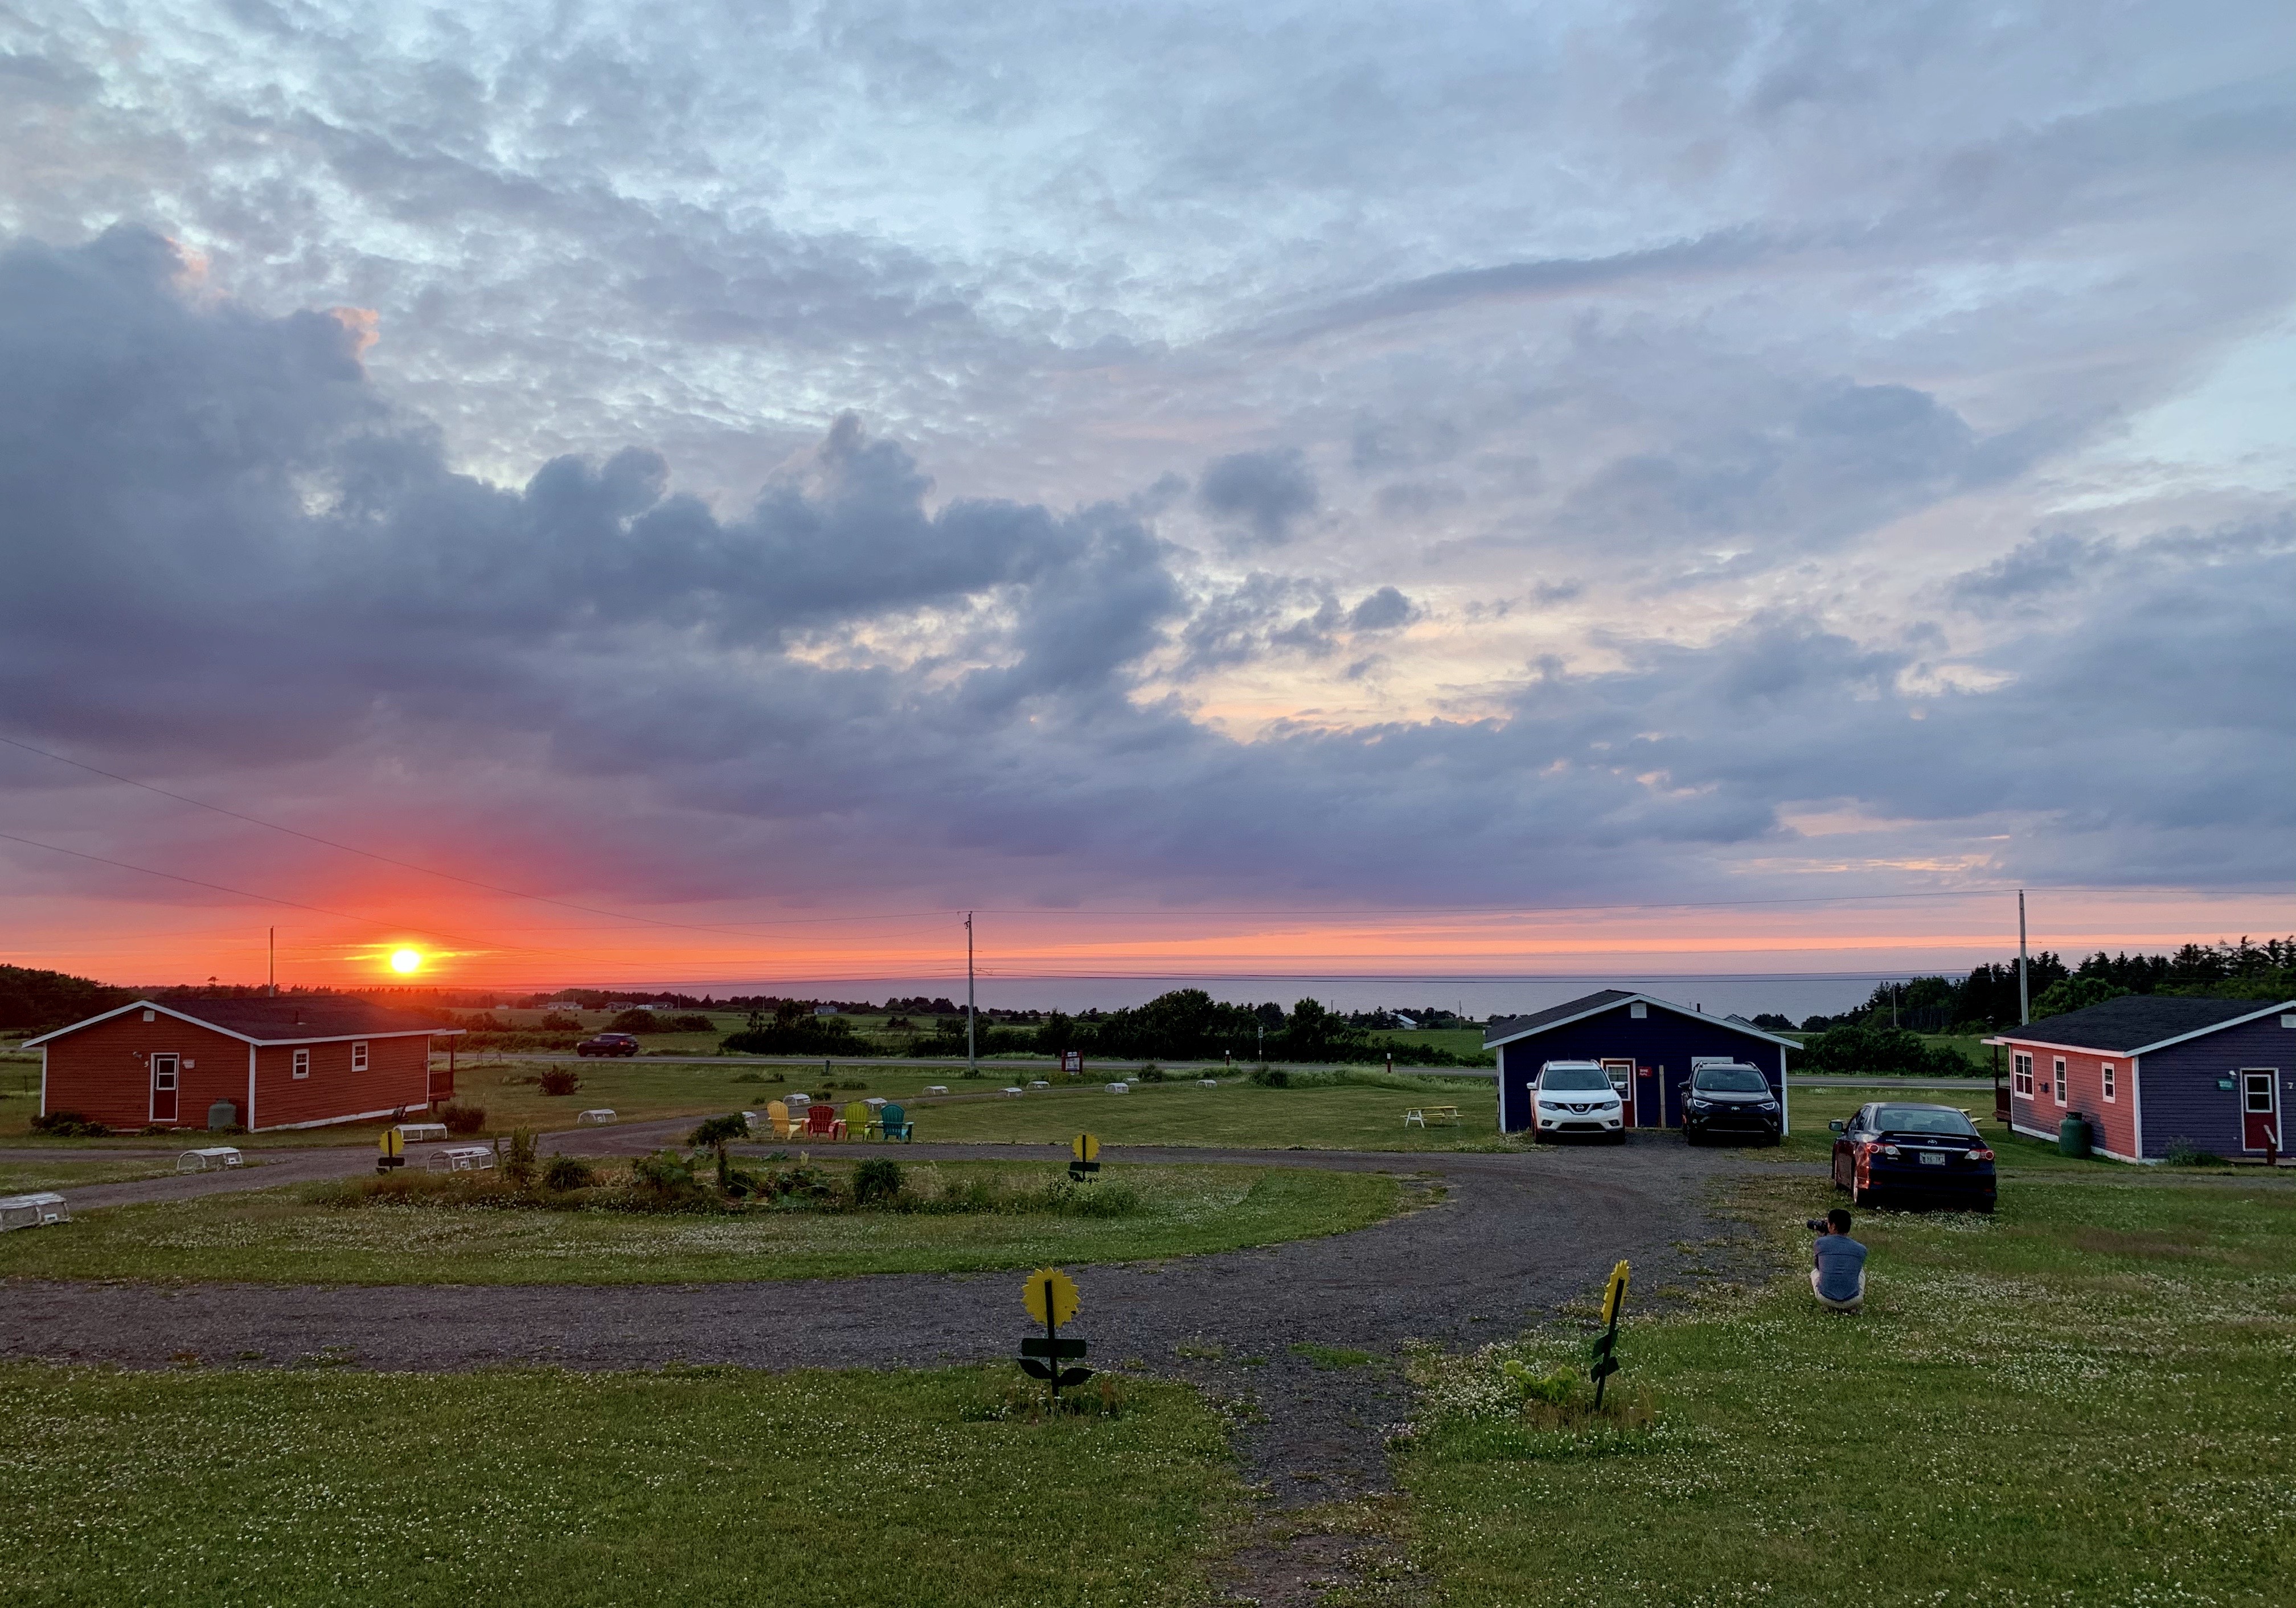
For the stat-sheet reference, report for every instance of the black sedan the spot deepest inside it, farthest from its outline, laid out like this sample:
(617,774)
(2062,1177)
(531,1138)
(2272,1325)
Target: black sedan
(1894,1152)
(608,1043)
(1730,1102)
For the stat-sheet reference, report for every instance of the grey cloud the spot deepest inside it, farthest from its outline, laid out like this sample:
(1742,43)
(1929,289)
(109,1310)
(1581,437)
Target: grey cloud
(1268,493)
(228,554)
(2036,566)
(1383,610)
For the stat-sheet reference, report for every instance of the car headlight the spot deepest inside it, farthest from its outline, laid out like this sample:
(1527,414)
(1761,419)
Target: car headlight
(1700,1105)
(1768,1105)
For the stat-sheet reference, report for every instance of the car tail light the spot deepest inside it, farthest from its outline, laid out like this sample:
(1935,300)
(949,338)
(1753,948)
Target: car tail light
(1890,1150)
(1981,1154)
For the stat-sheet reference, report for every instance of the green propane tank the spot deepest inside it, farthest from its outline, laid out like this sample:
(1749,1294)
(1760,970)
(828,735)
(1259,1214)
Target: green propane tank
(2072,1136)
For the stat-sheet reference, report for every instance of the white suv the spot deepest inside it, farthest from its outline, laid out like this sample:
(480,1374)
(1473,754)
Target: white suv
(1576,1098)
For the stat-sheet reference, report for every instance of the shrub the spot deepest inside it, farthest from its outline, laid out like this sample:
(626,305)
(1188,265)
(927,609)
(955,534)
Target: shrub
(665,1175)
(569,1172)
(561,1080)
(1151,1073)
(559,1022)
(689,1025)
(463,1120)
(1271,1076)
(518,1163)
(69,1125)
(879,1178)
(2184,1153)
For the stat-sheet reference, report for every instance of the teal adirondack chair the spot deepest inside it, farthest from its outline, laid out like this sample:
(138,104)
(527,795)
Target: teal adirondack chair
(897,1124)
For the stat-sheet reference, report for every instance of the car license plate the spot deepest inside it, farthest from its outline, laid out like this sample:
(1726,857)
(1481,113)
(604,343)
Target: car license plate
(1933,1158)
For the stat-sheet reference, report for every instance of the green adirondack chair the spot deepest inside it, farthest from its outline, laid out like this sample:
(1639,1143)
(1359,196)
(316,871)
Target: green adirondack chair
(856,1119)
(897,1124)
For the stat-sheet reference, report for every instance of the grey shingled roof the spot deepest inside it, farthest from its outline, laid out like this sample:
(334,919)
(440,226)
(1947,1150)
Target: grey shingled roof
(1507,1027)
(2136,1021)
(291,1021)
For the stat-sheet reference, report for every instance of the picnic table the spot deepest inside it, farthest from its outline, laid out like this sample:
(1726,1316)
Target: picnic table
(33,1210)
(422,1133)
(213,1158)
(935,1089)
(1426,1116)
(597,1116)
(1119,1088)
(1015,1093)
(461,1158)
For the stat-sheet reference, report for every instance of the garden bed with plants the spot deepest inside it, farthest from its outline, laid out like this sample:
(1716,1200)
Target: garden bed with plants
(667,1218)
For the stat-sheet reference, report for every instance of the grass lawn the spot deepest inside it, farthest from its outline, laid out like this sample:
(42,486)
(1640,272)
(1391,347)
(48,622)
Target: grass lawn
(283,1236)
(2082,1400)
(1239,1114)
(713,1485)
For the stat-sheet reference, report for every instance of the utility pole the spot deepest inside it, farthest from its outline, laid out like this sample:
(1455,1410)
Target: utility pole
(271,948)
(971,1049)
(2024,999)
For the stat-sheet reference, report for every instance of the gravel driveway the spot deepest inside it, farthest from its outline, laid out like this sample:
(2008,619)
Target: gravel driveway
(1506,1240)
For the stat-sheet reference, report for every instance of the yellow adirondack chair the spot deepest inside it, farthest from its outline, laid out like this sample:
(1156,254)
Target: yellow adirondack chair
(858,1119)
(778,1114)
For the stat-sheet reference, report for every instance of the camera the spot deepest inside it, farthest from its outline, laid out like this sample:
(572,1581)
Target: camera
(1815,1225)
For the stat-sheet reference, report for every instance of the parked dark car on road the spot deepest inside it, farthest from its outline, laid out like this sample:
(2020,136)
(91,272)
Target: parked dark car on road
(1894,1152)
(608,1043)
(1730,1100)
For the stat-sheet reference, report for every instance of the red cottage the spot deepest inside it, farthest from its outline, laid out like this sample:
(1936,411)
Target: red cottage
(2153,1071)
(295,1063)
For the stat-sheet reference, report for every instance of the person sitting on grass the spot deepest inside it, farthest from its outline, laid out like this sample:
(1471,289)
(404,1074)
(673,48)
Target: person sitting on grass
(1837,1274)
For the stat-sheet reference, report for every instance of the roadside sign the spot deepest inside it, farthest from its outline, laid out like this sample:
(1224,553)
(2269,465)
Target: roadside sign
(1615,1296)
(1084,1157)
(1606,1343)
(1050,1295)
(392,1146)
(1073,1061)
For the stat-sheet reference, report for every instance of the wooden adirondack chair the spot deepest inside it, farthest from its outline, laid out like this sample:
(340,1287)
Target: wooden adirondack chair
(858,1119)
(821,1122)
(777,1113)
(897,1124)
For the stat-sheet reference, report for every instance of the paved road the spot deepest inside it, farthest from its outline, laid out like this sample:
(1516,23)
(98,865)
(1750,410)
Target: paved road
(1512,1238)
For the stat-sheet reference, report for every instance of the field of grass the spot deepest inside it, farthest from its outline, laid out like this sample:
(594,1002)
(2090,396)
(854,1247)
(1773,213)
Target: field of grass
(20,1178)
(1351,1116)
(289,1236)
(2084,1398)
(708,1485)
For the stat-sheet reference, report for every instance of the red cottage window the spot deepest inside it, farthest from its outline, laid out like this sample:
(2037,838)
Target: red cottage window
(2020,1070)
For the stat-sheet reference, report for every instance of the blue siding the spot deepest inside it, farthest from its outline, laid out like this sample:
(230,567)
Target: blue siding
(1664,1042)
(2178,1085)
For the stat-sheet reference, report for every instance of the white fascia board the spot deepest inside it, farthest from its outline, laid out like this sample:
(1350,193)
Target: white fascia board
(133,1005)
(1663,1004)
(153,1004)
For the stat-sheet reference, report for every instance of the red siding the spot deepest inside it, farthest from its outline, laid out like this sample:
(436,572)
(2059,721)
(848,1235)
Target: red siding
(397,1074)
(2114,1121)
(105,1073)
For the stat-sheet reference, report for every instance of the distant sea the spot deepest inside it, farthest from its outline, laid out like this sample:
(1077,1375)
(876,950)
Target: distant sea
(1481,998)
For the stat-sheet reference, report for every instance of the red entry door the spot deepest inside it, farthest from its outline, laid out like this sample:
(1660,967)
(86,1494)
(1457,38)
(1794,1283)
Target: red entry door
(1622,1079)
(2259,1112)
(163,1087)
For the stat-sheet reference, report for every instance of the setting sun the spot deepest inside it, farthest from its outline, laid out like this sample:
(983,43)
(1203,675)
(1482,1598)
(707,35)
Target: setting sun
(405,960)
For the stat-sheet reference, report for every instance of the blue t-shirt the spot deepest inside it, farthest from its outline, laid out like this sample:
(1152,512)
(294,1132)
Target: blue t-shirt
(1839,1260)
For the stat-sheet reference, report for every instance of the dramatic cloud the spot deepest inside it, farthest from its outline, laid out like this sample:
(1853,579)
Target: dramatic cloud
(1613,451)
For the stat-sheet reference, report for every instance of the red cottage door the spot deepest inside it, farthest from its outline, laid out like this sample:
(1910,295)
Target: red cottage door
(2259,1112)
(163,1088)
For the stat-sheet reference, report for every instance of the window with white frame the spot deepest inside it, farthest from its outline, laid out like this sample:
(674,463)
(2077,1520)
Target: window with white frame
(2058,1071)
(302,1064)
(358,1056)
(2112,1084)
(2020,1073)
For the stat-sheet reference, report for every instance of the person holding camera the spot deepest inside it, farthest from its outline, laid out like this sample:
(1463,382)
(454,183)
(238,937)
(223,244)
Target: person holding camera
(1837,1274)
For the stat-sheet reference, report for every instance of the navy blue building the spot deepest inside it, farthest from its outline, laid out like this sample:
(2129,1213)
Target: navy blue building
(1645,1043)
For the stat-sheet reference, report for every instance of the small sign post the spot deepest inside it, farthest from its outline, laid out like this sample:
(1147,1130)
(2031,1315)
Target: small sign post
(1050,1296)
(1606,1344)
(1084,1157)
(393,1146)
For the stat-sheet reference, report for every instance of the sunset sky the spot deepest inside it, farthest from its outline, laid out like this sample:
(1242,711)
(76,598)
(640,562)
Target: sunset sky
(703,493)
